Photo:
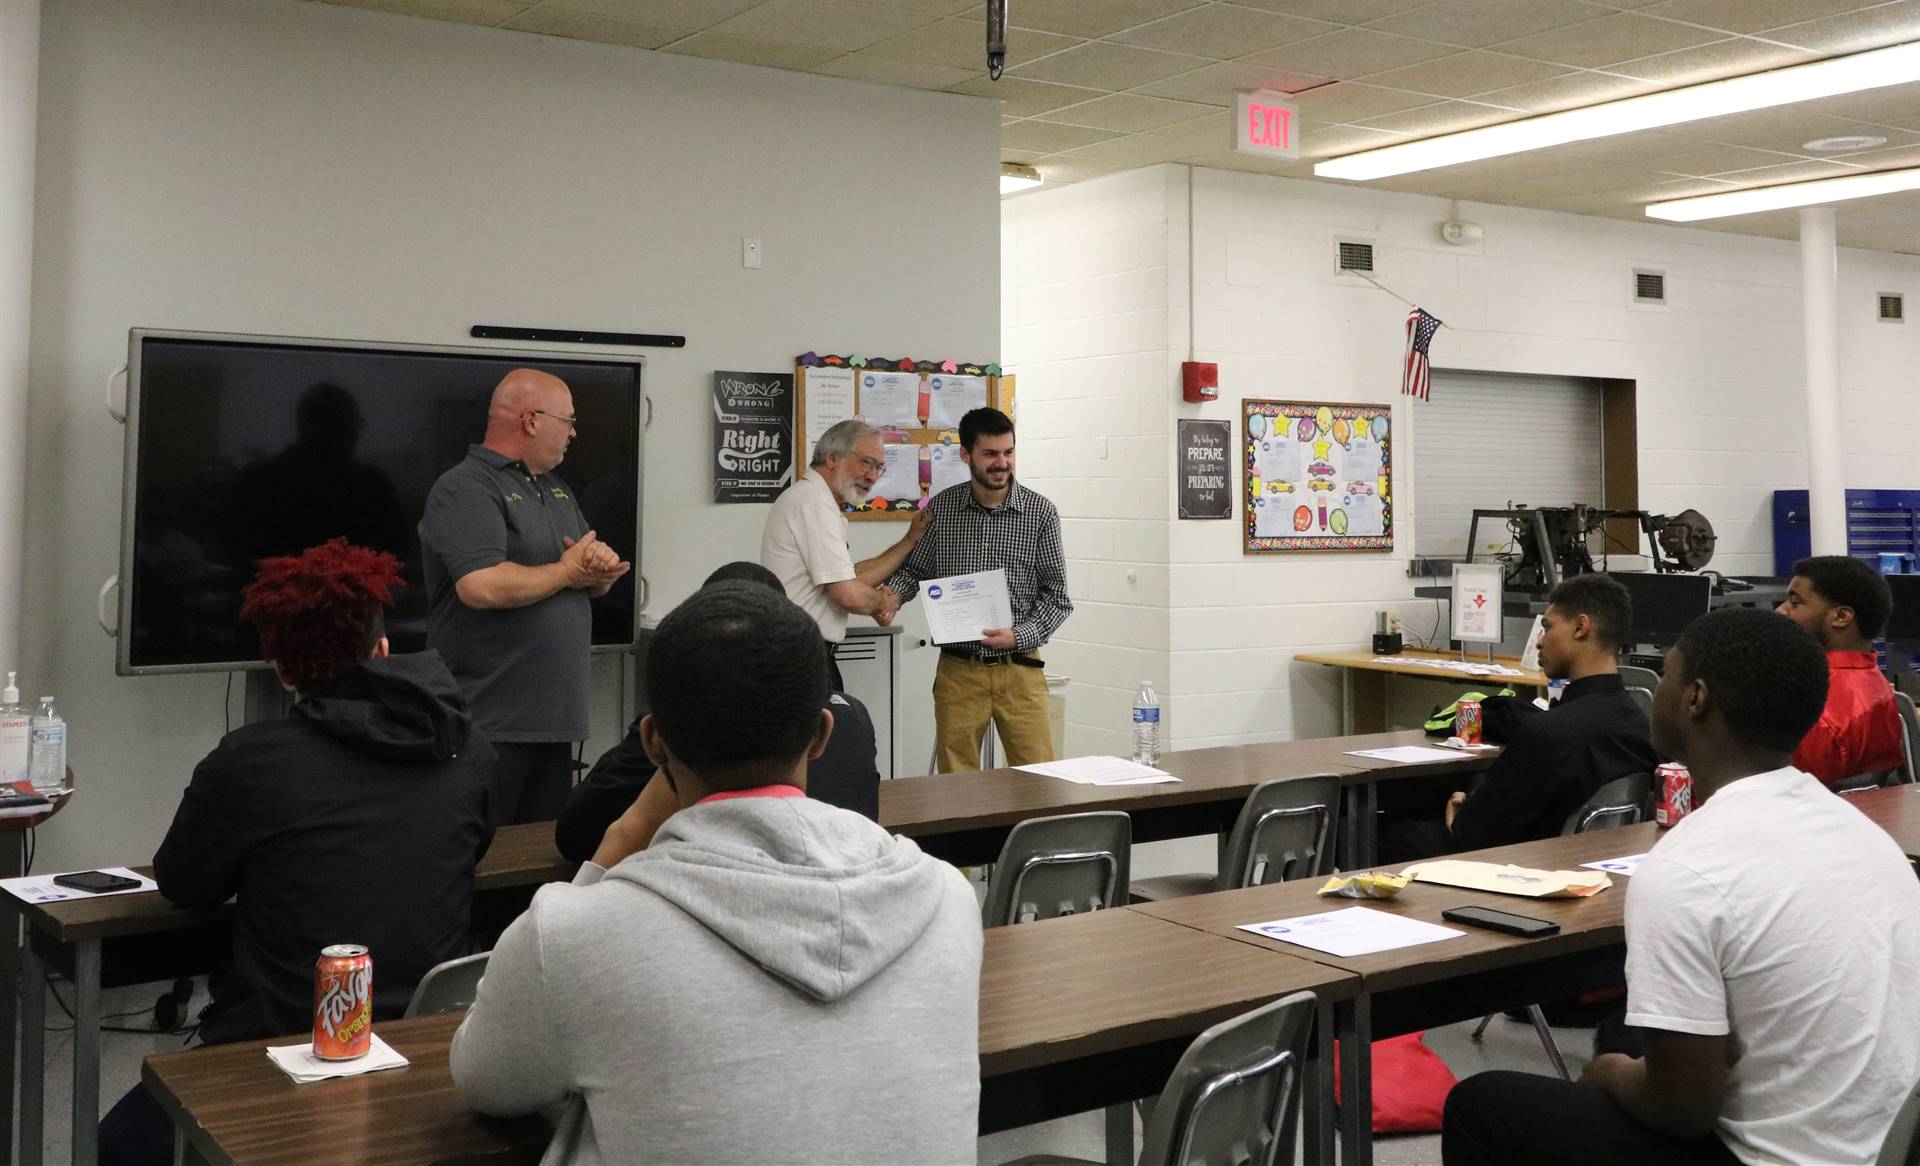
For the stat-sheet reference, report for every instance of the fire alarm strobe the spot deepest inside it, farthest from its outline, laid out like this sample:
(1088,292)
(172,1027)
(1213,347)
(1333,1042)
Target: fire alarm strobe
(1199,381)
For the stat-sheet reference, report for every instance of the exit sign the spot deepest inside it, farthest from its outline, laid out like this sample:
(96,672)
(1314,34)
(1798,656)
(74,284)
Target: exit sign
(1266,124)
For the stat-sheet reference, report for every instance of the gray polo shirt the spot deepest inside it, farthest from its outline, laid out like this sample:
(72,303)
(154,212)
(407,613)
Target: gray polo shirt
(523,669)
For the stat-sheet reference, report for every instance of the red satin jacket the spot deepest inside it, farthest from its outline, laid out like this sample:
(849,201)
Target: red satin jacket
(1859,732)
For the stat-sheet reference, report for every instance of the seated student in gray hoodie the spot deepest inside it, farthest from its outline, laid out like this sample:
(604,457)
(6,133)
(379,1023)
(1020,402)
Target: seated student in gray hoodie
(734,944)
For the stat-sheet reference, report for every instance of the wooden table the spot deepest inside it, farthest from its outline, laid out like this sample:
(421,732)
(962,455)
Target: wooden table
(1075,1013)
(1456,979)
(1895,809)
(1364,680)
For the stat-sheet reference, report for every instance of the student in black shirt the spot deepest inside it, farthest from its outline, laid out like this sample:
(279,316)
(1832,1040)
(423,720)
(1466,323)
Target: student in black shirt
(845,775)
(1554,760)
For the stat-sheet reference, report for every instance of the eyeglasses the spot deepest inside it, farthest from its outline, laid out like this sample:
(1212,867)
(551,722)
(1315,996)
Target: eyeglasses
(873,465)
(567,421)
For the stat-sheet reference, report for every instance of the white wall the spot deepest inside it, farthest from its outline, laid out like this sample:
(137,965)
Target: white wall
(1721,416)
(301,168)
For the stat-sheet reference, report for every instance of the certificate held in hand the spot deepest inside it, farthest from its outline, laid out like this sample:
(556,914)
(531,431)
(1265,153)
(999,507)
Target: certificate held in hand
(961,607)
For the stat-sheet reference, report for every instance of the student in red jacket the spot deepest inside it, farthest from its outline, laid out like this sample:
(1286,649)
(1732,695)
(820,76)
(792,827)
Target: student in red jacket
(1844,603)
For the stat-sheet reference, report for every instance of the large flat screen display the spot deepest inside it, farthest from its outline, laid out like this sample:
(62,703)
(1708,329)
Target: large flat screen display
(244,447)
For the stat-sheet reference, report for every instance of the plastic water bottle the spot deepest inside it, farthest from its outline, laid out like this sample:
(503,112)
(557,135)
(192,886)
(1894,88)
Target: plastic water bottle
(47,748)
(14,728)
(1146,725)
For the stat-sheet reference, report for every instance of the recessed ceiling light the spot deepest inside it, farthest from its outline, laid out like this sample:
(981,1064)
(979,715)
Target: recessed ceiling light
(1843,144)
(1850,74)
(1788,194)
(1014,176)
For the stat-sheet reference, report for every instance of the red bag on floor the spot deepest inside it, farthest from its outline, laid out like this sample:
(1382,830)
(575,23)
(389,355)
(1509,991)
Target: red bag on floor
(1410,1085)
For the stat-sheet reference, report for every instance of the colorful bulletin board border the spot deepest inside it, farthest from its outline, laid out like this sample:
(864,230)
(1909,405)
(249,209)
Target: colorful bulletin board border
(1328,477)
(830,388)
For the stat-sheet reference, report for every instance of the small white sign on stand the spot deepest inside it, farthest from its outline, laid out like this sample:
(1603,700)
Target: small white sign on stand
(1476,603)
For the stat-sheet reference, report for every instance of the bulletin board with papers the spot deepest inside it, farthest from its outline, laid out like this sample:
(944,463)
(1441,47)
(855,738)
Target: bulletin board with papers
(1319,477)
(917,406)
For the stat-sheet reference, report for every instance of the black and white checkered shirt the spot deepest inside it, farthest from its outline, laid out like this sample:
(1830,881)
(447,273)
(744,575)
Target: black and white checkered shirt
(1021,537)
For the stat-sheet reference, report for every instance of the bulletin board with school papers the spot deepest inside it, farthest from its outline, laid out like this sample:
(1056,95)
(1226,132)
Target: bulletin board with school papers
(917,406)
(1319,477)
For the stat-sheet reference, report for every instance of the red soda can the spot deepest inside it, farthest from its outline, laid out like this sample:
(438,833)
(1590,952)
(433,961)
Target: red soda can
(1466,721)
(342,1003)
(1676,793)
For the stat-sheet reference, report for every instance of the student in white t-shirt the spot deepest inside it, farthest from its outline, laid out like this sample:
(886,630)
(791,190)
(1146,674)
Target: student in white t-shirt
(1773,948)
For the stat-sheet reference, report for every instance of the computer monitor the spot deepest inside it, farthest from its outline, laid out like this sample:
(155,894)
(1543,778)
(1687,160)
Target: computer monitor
(1663,605)
(1903,626)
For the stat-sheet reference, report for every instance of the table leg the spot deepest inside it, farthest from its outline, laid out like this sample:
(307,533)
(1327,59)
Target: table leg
(1346,702)
(1367,829)
(33,1051)
(1355,1021)
(11,865)
(86,1052)
(1120,1134)
(1318,1091)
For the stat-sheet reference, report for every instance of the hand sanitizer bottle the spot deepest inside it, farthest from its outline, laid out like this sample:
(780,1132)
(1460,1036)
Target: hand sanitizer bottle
(13,733)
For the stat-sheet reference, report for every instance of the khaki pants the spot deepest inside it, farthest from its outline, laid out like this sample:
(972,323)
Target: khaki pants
(967,695)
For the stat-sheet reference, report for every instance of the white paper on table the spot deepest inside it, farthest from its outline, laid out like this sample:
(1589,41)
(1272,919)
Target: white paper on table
(42,888)
(1616,866)
(1352,931)
(949,398)
(901,477)
(829,402)
(890,398)
(949,468)
(1100,771)
(1273,516)
(1406,754)
(299,1063)
(960,607)
(1278,460)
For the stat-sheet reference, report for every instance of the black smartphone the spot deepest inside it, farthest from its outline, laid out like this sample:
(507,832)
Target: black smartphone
(1487,917)
(95,882)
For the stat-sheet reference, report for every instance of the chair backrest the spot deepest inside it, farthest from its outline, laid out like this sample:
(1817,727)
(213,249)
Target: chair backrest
(1620,802)
(1642,699)
(1860,783)
(1902,1144)
(1060,865)
(1910,737)
(449,986)
(1285,831)
(1635,677)
(1234,1098)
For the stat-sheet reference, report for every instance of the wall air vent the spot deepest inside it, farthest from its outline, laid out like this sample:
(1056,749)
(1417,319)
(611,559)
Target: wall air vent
(1355,256)
(1649,287)
(1893,308)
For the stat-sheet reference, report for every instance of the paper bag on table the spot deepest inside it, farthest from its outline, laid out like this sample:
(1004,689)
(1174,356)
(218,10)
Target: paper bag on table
(1509,880)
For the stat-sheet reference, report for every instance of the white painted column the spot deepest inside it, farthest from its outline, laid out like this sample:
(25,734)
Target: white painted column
(1820,311)
(19,109)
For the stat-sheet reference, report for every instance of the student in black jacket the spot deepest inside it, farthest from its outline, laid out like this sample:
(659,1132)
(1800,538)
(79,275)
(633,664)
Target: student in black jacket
(356,818)
(845,775)
(1554,760)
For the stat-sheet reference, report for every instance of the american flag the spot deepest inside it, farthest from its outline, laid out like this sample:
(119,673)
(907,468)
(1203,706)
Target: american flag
(1418,380)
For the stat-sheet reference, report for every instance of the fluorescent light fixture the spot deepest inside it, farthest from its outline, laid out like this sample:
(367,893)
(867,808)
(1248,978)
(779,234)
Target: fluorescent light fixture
(1014,176)
(1787,194)
(1835,75)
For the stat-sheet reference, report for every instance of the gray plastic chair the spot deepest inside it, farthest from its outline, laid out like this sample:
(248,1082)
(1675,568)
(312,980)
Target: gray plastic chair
(1060,865)
(1910,737)
(449,986)
(1635,677)
(1642,699)
(1285,831)
(1234,1098)
(1902,1144)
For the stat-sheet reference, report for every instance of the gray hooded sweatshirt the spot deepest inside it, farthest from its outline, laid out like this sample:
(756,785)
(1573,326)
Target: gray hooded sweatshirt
(773,980)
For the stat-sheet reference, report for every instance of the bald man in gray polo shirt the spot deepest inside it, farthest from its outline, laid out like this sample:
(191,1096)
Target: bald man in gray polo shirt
(510,567)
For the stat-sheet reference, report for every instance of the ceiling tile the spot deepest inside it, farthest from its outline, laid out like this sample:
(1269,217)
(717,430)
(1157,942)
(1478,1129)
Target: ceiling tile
(1662,189)
(1623,36)
(1319,142)
(1127,112)
(1350,101)
(1644,148)
(1099,65)
(1250,163)
(1021,156)
(1133,150)
(1854,32)
(1217,84)
(1445,117)
(1060,170)
(1216,129)
(1222,31)
(931,7)
(1884,158)
(1465,74)
(1710,62)
(692,15)
(1478,23)
(1750,15)
(772,54)
(1338,11)
(1805,171)
(1350,53)
(1026,98)
(841,25)
(1049,138)
(457,11)
(1889,105)
(1721,160)
(1786,129)
(1567,91)
(962,44)
(887,71)
(1090,18)
(586,26)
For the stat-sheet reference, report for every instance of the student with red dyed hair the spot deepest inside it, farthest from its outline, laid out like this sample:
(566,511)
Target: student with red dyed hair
(356,818)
